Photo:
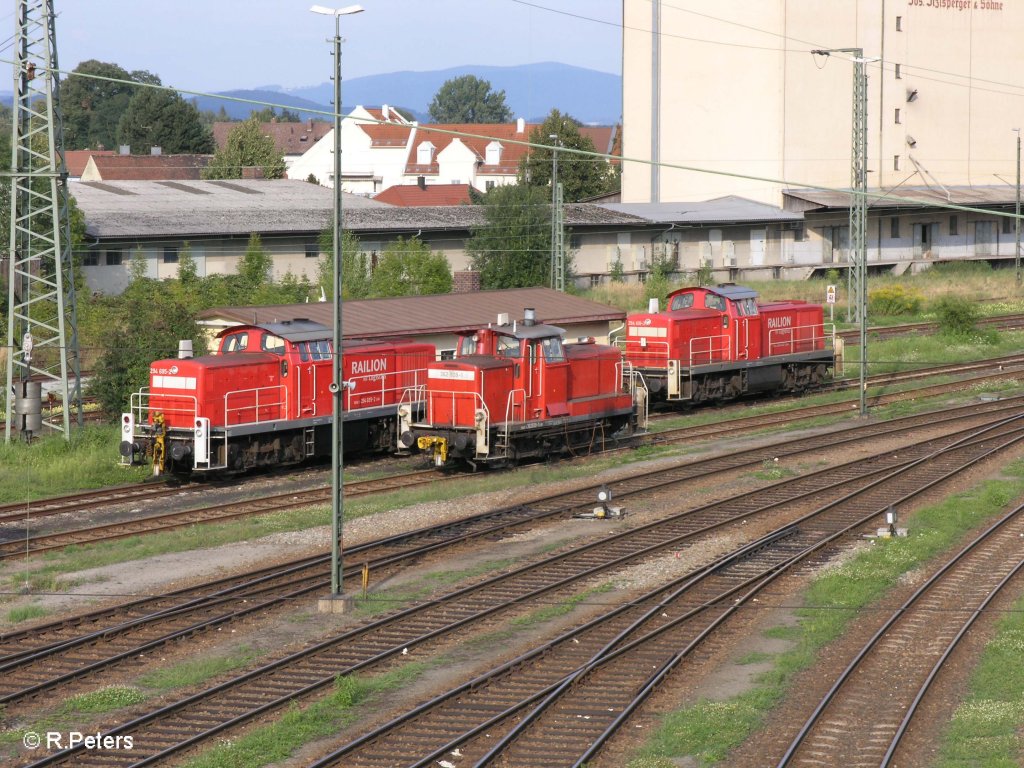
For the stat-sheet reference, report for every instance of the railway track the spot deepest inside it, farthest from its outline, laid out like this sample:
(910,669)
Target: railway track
(16,543)
(18,540)
(165,732)
(893,673)
(1010,322)
(561,703)
(40,658)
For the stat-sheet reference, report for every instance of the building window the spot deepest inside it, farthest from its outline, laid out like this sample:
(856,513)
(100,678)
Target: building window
(595,281)
(90,259)
(170,254)
(641,277)
(897,115)
(895,162)
(490,184)
(799,234)
(312,249)
(899,71)
(1008,226)
(953,226)
(894,227)
(113,258)
(899,23)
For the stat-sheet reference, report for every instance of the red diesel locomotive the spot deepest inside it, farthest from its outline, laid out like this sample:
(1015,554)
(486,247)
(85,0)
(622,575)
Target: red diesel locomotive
(264,399)
(517,391)
(717,343)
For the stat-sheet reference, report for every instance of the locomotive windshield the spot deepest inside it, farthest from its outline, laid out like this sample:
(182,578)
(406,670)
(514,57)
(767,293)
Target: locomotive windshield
(467,346)
(507,346)
(714,301)
(682,301)
(236,342)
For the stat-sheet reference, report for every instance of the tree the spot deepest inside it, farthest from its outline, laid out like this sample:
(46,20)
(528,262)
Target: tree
(355,268)
(246,147)
(513,249)
(268,114)
(581,176)
(410,268)
(467,99)
(163,119)
(92,100)
(256,265)
(153,318)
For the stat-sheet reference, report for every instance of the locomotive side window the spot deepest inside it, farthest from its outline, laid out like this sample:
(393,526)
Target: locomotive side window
(683,301)
(714,301)
(271,343)
(320,350)
(303,347)
(553,351)
(236,342)
(747,307)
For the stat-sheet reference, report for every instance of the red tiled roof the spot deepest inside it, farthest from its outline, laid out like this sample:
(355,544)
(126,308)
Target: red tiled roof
(606,139)
(480,136)
(387,135)
(148,167)
(289,138)
(432,194)
(77,159)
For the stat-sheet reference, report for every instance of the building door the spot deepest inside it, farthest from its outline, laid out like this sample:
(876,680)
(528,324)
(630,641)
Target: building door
(757,246)
(835,244)
(924,240)
(984,238)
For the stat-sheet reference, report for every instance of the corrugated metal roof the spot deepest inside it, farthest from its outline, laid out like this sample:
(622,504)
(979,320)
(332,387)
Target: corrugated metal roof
(239,207)
(444,313)
(135,209)
(911,197)
(720,210)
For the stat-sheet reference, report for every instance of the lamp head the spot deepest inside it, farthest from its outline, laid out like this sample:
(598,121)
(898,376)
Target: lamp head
(347,10)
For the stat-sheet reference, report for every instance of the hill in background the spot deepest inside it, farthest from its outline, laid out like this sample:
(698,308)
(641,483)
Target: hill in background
(531,92)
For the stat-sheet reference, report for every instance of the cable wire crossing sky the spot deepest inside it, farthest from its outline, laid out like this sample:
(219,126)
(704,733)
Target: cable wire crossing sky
(247,44)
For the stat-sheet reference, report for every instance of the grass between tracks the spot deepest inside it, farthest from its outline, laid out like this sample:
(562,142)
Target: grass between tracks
(708,730)
(985,730)
(300,725)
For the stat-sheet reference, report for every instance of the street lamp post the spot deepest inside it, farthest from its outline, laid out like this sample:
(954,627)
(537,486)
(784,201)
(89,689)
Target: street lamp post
(336,602)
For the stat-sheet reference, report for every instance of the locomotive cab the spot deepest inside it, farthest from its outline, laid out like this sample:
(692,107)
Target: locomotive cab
(718,343)
(517,390)
(266,399)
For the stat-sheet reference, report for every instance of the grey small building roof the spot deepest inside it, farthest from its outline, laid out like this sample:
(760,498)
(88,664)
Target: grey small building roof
(230,207)
(442,313)
(730,209)
(140,209)
(906,197)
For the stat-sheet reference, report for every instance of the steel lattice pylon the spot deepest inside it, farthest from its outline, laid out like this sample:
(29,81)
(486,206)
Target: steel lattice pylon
(858,183)
(41,289)
(558,241)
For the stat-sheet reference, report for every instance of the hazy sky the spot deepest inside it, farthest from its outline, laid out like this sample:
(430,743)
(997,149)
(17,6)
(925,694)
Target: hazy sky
(215,45)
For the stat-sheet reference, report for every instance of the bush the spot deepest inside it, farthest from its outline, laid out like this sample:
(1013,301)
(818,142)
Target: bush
(894,300)
(956,316)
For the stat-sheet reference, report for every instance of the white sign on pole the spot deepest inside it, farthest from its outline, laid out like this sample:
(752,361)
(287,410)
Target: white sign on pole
(830,294)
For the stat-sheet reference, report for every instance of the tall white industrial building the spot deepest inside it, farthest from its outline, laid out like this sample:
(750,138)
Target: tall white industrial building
(732,87)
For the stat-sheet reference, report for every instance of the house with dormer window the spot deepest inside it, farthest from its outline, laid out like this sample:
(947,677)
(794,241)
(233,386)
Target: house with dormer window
(381,150)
